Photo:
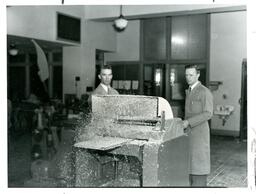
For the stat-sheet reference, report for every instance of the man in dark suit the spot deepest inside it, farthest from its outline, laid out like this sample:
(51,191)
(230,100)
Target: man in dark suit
(198,110)
(105,77)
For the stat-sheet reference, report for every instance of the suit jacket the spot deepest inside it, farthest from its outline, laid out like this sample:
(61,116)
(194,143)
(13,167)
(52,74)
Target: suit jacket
(100,90)
(198,110)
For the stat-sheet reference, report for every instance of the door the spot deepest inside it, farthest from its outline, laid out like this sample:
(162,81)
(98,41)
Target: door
(243,102)
(154,80)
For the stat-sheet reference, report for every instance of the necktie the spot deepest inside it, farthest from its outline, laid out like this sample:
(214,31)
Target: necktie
(189,89)
(108,89)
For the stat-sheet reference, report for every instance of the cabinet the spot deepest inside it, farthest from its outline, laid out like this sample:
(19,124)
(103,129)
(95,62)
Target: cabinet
(168,44)
(154,39)
(186,35)
(188,39)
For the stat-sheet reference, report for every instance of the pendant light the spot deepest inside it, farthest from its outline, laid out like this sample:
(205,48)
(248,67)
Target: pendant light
(120,23)
(13,51)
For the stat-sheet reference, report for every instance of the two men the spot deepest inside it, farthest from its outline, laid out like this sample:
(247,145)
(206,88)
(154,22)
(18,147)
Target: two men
(198,110)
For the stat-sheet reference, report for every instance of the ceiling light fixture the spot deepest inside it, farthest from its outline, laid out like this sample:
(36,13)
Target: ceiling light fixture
(13,51)
(120,23)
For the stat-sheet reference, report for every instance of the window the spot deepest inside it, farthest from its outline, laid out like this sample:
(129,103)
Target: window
(23,77)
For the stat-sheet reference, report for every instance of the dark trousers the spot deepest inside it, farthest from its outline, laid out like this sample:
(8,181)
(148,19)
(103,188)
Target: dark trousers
(198,180)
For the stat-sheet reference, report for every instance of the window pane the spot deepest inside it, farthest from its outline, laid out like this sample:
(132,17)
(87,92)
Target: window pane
(16,83)
(20,58)
(57,82)
(154,80)
(37,87)
(57,57)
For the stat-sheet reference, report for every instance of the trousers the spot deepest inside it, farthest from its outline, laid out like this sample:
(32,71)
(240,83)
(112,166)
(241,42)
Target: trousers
(198,180)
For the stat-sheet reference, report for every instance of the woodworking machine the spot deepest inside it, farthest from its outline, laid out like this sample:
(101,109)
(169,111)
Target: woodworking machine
(132,141)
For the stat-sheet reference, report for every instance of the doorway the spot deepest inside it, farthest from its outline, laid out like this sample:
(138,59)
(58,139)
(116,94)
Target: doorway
(99,61)
(243,102)
(154,80)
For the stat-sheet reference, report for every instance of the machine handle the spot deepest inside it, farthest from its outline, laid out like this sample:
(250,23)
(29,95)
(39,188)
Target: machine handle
(162,121)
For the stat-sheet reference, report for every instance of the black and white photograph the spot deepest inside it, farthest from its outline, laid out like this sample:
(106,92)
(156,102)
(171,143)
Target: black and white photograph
(128,96)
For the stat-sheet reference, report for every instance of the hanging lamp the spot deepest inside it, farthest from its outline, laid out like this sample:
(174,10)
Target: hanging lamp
(120,23)
(13,51)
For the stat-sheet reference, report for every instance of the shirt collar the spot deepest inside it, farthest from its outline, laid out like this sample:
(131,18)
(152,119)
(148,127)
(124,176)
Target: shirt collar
(194,85)
(104,87)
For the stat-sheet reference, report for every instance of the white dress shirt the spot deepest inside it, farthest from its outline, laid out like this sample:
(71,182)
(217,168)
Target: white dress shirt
(104,87)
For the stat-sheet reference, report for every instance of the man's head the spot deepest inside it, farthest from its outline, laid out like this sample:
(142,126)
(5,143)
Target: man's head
(192,74)
(105,75)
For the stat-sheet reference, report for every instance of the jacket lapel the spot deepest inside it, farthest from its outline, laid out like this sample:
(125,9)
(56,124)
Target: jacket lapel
(193,90)
(103,90)
(196,87)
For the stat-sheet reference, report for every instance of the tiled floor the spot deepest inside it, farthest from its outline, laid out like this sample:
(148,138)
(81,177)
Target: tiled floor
(228,162)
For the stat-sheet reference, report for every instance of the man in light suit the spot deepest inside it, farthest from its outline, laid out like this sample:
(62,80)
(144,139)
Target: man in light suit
(198,110)
(105,77)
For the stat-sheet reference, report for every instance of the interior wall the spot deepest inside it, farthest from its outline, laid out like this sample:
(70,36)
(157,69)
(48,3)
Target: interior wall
(72,60)
(38,21)
(227,50)
(96,35)
(128,44)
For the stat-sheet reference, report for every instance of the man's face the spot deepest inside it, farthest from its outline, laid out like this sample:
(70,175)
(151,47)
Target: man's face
(105,76)
(191,76)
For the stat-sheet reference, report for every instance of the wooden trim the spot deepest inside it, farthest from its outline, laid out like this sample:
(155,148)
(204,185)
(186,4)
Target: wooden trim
(141,55)
(167,82)
(122,62)
(208,44)
(168,57)
(27,80)
(50,79)
(168,38)
(154,62)
(177,61)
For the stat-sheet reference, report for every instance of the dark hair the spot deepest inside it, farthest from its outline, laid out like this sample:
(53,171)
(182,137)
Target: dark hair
(105,67)
(193,66)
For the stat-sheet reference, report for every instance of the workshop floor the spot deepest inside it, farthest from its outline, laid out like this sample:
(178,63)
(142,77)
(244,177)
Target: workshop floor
(228,162)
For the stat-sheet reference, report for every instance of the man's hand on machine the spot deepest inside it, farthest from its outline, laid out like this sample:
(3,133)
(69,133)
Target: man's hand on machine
(185,125)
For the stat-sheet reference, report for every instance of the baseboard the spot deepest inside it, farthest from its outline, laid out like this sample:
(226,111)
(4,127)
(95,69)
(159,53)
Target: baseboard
(225,132)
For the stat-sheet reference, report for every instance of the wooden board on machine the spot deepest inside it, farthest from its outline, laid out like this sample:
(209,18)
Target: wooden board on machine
(103,143)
